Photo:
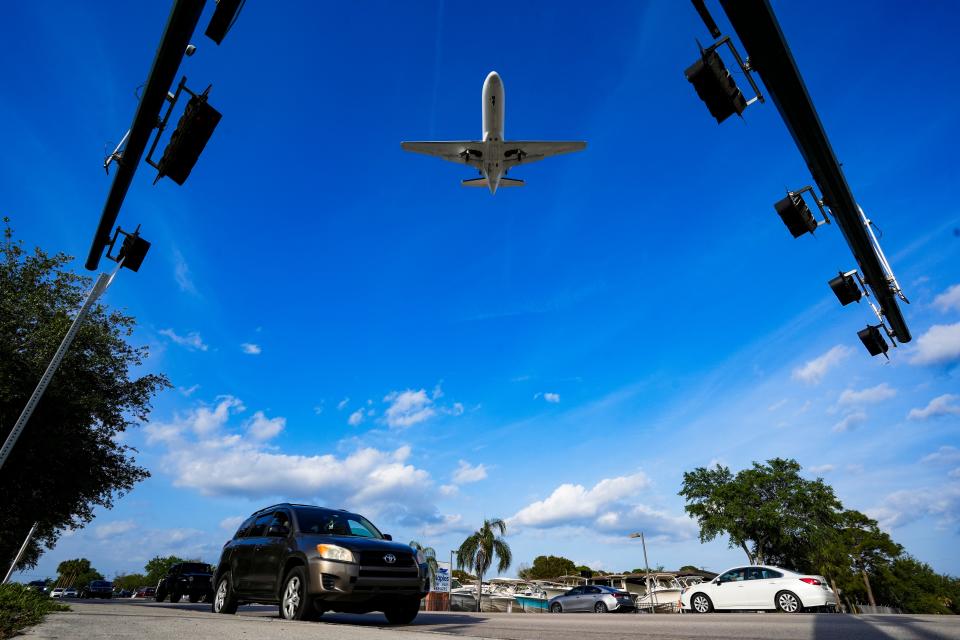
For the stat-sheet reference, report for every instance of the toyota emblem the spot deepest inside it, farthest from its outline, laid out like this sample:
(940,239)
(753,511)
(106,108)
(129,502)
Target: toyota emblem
(389,558)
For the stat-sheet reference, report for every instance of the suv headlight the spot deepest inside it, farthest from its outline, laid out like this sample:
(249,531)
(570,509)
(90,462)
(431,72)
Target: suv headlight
(333,552)
(420,557)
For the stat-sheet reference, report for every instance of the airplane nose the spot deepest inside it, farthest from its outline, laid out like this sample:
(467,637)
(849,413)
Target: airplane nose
(493,78)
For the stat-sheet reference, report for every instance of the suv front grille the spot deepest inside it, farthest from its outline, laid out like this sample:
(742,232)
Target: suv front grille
(375,559)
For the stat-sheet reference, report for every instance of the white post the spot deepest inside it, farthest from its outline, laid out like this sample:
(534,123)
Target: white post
(16,560)
(103,281)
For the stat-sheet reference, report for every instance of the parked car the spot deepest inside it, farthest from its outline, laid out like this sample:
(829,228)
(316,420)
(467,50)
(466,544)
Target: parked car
(57,593)
(123,593)
(311,559)
(144,592)
(97,589)
(191,579)
(760,587)
(71,592)
(591,597)
(37,585)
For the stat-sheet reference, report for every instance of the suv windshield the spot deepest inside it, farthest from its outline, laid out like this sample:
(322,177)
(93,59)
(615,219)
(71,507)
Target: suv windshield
(194,567)
(337,523)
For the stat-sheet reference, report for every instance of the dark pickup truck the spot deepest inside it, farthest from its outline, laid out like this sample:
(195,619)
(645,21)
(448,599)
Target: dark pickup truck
(191,579)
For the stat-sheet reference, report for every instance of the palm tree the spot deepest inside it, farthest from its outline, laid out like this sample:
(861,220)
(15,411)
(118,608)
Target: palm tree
(431,557)
(477,551)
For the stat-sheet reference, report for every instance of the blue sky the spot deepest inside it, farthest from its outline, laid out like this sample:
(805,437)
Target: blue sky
(345,325)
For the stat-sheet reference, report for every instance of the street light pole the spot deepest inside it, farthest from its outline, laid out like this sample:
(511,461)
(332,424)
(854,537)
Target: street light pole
(646,564)
(103,281)
(23,548)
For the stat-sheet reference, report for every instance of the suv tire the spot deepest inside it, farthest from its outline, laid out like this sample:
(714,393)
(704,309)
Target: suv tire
(175,595)
(161,593)
(224,599)
(403,612)
(295,602)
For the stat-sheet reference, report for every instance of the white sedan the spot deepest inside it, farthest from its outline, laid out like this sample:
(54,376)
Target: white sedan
(759,587)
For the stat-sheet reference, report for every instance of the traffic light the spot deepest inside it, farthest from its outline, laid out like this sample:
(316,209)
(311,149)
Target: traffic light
(187,141)
(846,288)
(133,251)
(223,18)
(873,340)
(796,214)
(716,86)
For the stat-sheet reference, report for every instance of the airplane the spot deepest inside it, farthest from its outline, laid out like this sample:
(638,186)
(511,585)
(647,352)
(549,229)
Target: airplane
(493,155)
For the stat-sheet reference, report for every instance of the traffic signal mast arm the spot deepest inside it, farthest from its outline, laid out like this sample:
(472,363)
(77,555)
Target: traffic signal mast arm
(769,55)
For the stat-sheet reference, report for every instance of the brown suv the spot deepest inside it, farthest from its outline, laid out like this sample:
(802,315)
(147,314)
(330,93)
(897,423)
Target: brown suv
(310,559)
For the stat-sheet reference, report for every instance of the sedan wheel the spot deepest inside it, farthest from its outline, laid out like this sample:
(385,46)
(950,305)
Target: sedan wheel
(701,603)
(788,602)
(556,608)
(600,608)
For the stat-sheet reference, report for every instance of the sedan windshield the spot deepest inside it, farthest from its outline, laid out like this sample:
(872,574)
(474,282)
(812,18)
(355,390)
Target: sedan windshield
(336,523)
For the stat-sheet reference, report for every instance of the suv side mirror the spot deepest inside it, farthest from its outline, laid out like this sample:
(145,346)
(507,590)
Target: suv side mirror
(277,531)
(387,536)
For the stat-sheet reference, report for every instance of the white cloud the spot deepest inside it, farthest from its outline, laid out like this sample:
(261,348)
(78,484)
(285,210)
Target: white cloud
(821,468)
(188,391)
(943,455)
(230,524)
(262,428)
(318,409)
(945,405)
(813,371)
(949,299)
(955,473)
(870,395)
(610,506)
(203,452)
(113,529)
(777,405)
(251,349)
(939,345)
(408,408)
(551,397)
(191,341)
(181,273)
(355,418)
(910,505)
(449,489)
(465,473)
(448,524)
(343,404)
(850,421)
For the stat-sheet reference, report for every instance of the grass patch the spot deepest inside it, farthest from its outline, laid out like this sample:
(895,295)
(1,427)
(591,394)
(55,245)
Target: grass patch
(21,607)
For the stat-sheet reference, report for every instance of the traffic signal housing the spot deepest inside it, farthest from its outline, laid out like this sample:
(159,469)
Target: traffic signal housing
(846,288)
(796,215)
(873,340)
(188,140)
(715,86)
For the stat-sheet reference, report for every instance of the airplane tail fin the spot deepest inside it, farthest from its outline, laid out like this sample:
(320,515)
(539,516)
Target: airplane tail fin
(511,182)
(474,182)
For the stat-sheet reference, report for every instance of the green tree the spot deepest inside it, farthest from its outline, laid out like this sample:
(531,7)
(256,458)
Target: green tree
(130,581)
(547,567)
(769,511)
(477,552)
(76,573)
(463,576)
(866,548)
(430,555)
(157,567)
(915,587)
(69,458)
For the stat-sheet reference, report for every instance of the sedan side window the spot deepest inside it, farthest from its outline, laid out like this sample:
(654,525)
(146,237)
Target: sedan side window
(593,590)
(770,574)
(734,575)
(576,591)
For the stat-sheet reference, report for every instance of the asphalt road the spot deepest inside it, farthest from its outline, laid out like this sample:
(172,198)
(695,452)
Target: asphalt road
(147,620)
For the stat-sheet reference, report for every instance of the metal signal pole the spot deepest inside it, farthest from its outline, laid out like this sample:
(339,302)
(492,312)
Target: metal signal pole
(16,560)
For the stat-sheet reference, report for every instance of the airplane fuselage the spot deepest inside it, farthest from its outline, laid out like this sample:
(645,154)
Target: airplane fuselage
(493,112)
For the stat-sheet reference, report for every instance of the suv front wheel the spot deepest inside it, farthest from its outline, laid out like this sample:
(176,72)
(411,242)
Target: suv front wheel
(403,612)
(295,602)
(224,600)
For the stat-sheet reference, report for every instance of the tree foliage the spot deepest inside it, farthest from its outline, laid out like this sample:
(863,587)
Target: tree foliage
(547,567)
(478,551)
(130,581)
(770,511)
(76,573)
(68,460)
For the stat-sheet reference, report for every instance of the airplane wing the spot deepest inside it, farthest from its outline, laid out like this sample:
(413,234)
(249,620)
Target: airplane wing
(469,152)
(522,151)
